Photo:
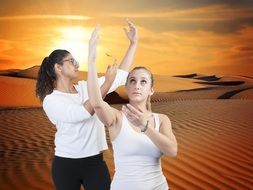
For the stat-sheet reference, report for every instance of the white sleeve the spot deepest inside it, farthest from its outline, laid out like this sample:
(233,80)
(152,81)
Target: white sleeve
(60,111)
(120,79)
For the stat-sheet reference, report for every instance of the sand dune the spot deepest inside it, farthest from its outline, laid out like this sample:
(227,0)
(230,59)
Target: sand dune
(222,83)
(214,137)
(169,84)
(9,72)
(232,93)
(226,87)
(26,146)
(215,144)
(29,73)
(205,93)
(245,94)
(17,92)
(200,77)
(212,123)
(208,78)
(167,88)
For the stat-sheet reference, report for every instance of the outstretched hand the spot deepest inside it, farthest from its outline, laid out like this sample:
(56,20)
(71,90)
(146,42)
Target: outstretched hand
(111,72)
(131,33)
(93,42)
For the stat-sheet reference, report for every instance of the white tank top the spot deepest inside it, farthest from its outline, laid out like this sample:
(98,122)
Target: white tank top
(137,160)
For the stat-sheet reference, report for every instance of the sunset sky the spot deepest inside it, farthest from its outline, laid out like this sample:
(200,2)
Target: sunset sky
(175,36)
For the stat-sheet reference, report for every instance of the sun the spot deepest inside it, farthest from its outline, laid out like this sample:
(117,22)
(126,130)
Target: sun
(75,40)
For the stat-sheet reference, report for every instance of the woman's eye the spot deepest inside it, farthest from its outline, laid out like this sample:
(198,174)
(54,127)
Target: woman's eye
(132,81)
(143,82)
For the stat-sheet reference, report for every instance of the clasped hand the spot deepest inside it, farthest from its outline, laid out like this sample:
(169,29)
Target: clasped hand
(137,116)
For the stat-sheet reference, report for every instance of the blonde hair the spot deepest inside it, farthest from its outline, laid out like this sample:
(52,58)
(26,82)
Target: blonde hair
(148,103)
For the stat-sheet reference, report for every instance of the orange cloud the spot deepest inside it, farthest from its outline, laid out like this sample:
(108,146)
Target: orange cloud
(175,38)
(36,17)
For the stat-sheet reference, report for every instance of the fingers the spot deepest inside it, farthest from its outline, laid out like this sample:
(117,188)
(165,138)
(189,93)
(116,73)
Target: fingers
(96,30)
(125,30)
(130,115)
(133,118)
(131,32)
(112,67)
(94,35)
(130,24)
(108,67)
(115,64)
(134,110)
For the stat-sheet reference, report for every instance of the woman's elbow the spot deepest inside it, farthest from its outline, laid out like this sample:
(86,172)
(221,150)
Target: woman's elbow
(171,151)
(174,152)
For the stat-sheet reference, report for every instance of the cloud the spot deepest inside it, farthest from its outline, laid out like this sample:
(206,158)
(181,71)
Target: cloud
(7,63)
(197,51)
(35,17)
(217,18)
(188,35)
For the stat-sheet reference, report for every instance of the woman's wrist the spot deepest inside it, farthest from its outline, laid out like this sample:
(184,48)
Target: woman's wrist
(108,83)
(145,127)
(133,43)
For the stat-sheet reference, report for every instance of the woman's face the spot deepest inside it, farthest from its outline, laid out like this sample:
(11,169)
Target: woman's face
(69,67)
(138,85)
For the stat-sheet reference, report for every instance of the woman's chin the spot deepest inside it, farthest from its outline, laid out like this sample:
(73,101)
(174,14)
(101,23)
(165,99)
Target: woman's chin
(136,100)
(76,75)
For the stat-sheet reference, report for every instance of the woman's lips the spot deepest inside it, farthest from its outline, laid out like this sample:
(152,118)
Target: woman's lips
(136,93)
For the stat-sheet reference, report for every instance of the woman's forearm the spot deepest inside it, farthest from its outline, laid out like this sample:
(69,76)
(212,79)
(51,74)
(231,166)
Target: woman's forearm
(168,145)
(94,93)
(129,56)
(132,35)
(104,90)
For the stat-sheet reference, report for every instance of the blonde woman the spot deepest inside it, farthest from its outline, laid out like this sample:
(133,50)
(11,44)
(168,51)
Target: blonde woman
(139,137)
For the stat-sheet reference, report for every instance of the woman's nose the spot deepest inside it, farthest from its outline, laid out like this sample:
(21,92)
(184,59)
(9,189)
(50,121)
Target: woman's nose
(137,86)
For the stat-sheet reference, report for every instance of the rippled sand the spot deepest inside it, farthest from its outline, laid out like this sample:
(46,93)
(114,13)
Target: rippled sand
(211,117)
(214,137)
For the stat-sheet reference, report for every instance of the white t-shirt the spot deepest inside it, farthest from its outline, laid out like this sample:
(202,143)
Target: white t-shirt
(78,133)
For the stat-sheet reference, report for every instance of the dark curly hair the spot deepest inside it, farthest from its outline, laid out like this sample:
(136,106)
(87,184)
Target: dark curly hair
(46,75)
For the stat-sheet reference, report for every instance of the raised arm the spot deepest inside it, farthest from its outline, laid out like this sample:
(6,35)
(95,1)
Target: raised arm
(103,110)
(132,35)
(104,89)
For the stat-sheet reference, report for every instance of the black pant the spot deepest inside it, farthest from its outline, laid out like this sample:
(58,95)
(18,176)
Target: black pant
(70,174)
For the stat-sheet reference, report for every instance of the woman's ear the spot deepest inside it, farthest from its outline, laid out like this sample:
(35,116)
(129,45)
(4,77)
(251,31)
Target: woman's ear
(151,91)
(57,68)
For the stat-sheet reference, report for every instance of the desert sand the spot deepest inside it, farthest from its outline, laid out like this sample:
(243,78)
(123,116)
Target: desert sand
(211,118)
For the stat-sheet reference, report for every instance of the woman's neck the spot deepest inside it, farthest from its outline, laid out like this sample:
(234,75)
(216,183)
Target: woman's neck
(65,85)
(141,105)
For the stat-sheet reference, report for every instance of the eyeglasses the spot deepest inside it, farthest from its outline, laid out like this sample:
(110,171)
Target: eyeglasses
(73,61)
